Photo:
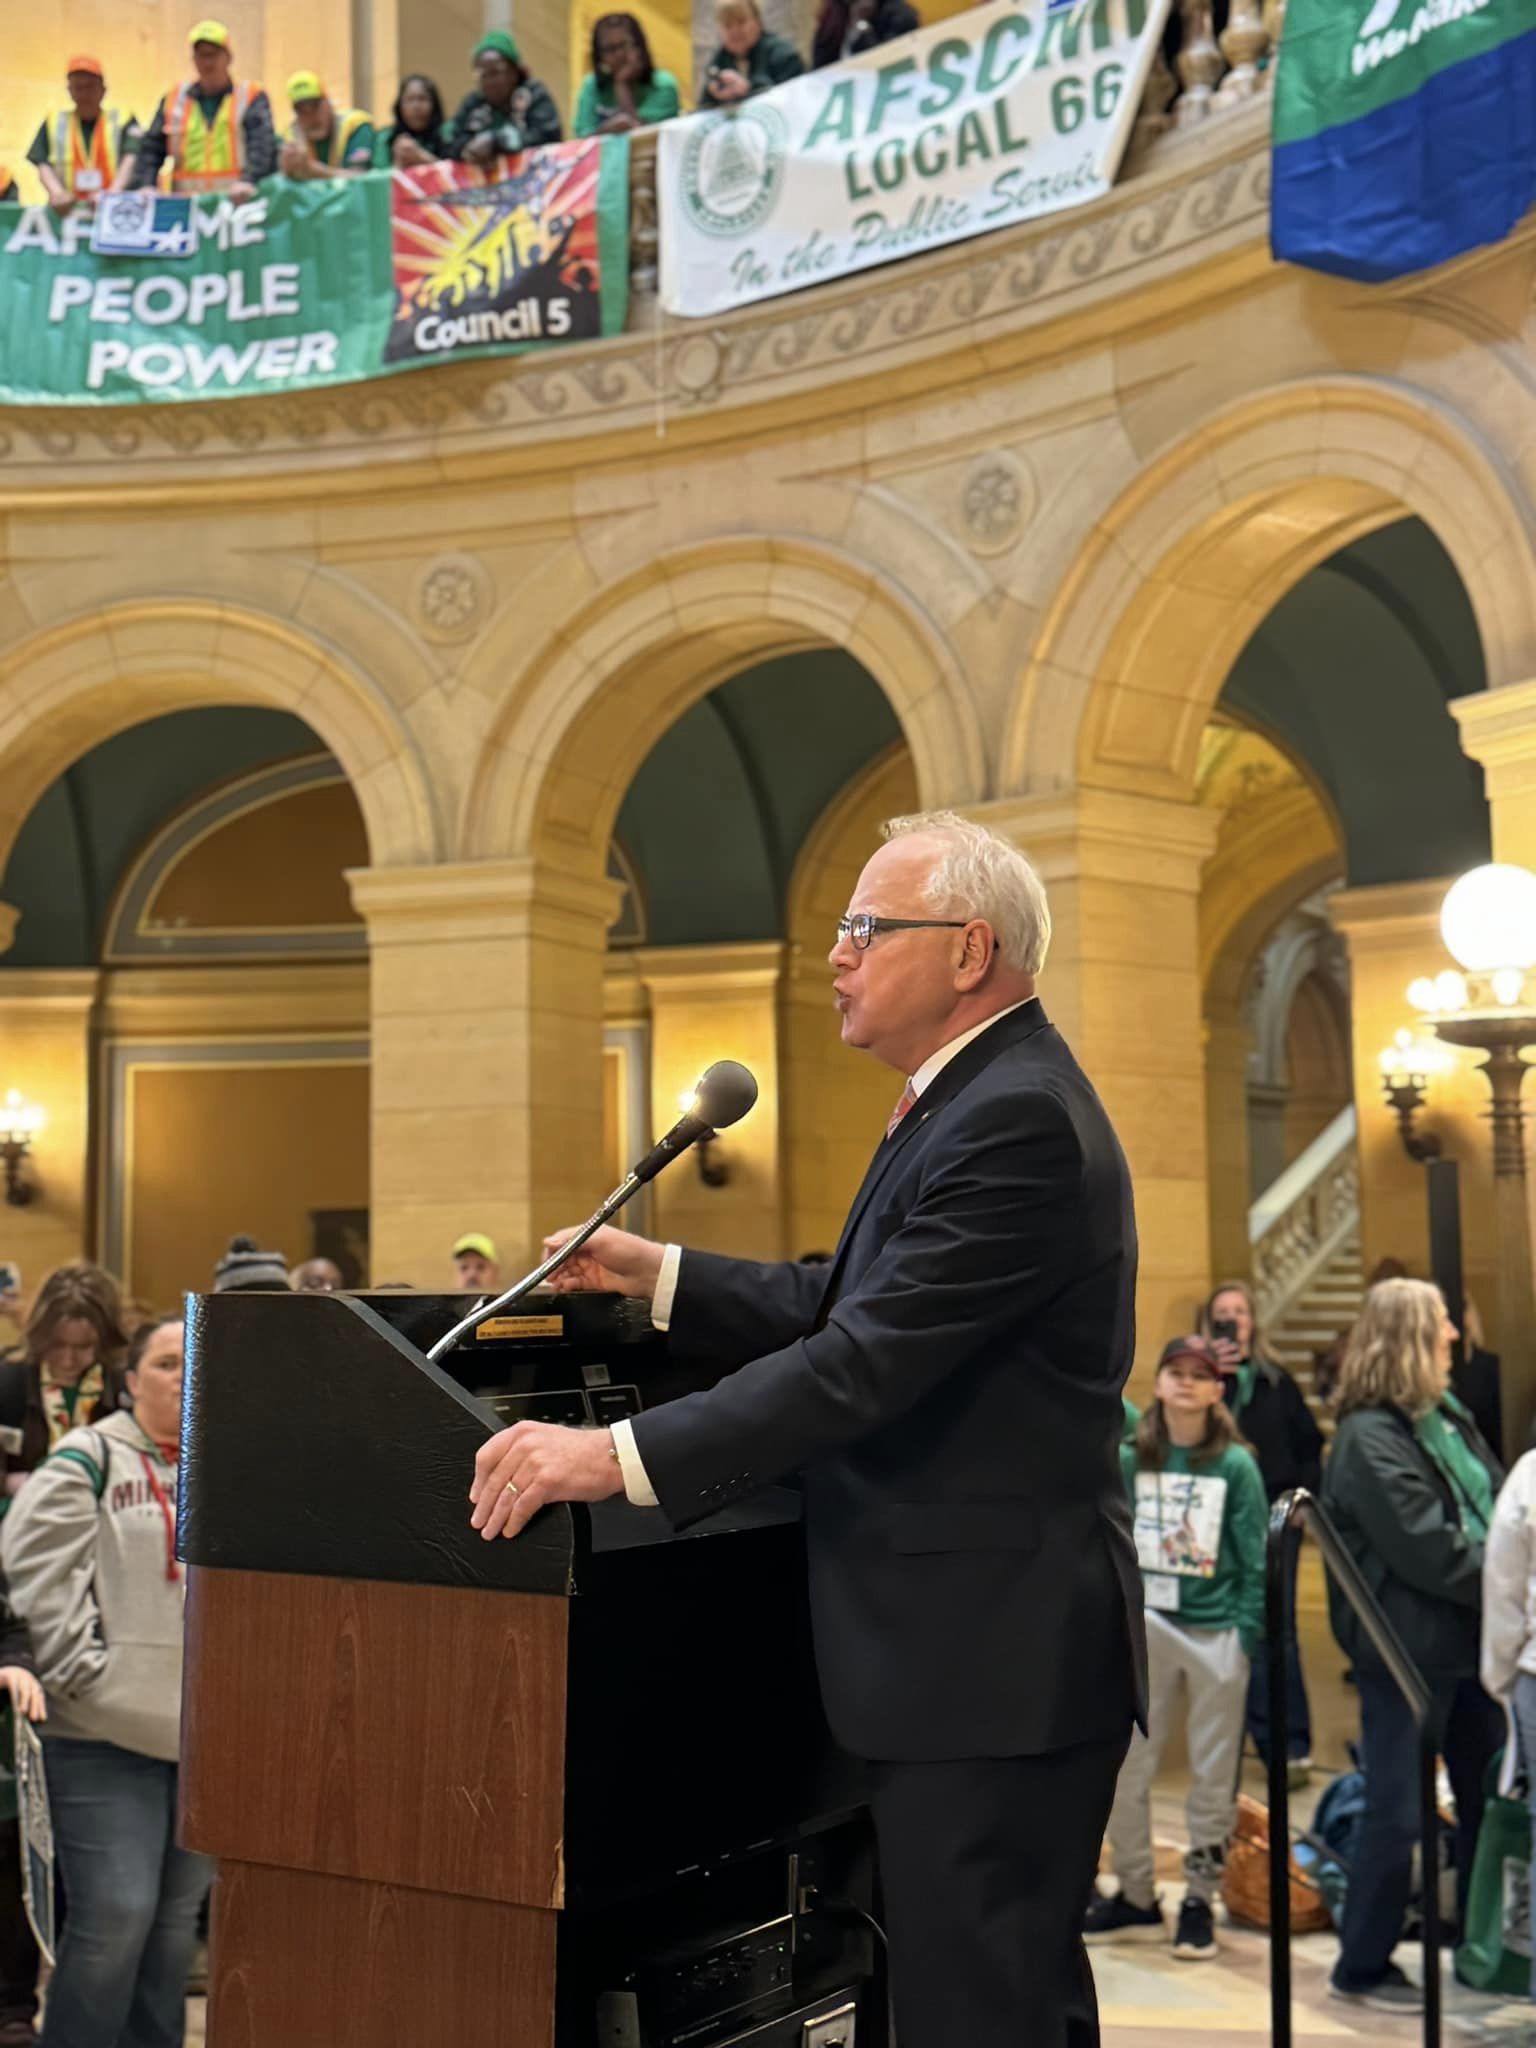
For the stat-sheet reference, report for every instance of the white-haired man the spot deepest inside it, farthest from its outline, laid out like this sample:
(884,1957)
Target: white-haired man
(948,1392)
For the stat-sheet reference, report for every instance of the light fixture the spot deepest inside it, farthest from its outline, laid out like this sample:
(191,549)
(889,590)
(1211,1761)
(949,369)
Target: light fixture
(1408,1065)
(20,1122)
(1488,923)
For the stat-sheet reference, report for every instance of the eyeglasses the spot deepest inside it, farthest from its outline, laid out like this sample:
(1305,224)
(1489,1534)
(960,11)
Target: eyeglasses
(862,926)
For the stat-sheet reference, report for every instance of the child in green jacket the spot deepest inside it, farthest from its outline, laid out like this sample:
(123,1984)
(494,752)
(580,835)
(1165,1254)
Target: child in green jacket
(1200,1515)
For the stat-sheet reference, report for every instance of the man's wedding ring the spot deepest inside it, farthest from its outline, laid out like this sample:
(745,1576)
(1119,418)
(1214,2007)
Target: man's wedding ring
(512,1488)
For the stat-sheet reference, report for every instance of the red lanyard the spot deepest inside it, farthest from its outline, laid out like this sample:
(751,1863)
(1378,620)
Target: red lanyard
(172,1569)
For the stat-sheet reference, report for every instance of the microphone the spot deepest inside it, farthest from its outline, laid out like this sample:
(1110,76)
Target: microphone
(725,1093)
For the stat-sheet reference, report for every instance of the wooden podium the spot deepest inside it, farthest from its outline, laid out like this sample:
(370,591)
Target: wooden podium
(461,1790)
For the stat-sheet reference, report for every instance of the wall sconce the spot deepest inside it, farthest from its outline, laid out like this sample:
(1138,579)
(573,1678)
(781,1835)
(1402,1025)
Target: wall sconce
(1408,1065)
(20,1122)
(713,1170)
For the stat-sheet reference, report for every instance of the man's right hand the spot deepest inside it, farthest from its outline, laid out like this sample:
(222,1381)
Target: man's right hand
(610,1262)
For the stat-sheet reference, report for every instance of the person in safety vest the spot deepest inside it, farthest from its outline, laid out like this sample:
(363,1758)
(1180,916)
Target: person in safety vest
(79,150)
(326,141)
(216,132)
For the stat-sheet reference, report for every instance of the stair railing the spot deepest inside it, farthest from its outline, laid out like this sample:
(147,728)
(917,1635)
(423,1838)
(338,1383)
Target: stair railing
(1301,1222)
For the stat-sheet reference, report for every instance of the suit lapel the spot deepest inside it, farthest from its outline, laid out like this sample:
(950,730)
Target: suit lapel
(1021,1024)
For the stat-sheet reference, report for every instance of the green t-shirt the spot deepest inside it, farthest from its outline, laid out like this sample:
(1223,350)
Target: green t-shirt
(1200,1539)
(660,101)
(1131,1415)
(1465,1473)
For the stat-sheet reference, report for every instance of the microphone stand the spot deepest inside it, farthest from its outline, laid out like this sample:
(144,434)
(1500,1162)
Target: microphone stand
(631,1184)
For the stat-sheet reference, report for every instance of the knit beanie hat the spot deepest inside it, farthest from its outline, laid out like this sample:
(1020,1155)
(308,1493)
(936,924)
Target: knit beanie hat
(244,1268)
(498,40)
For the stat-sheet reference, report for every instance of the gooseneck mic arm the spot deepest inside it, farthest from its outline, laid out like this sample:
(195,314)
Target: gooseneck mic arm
(724,1095)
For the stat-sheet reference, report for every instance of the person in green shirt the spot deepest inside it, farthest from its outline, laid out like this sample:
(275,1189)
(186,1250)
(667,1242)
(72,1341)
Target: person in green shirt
(1199,1509)
(749,59)
(418,132)
(508,111)
(623,90)
(327,141)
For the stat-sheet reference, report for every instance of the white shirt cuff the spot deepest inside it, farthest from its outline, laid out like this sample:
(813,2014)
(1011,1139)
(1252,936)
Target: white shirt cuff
(666,1286)
(638,1490)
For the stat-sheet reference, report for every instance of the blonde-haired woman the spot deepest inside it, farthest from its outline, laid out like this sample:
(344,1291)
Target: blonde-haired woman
(1410,1486)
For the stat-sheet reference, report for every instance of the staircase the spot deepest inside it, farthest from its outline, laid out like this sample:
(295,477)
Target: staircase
(1305,1239)
(1324,1309)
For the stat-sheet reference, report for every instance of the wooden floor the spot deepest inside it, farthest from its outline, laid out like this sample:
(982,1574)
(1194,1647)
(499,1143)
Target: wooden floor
(1147,2000)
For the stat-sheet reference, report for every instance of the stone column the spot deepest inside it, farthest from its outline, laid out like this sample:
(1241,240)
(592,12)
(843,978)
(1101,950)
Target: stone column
(1393,935)
(1498,729)
(487,1038)
(10,917)
(709,1003)
(1228,1044)
(1123,983)
(1268,1104)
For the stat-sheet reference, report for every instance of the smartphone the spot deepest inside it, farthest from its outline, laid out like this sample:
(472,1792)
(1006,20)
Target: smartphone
(1224,1327)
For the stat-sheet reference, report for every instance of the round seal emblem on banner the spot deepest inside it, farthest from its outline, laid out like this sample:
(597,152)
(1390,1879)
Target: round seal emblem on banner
(733,169)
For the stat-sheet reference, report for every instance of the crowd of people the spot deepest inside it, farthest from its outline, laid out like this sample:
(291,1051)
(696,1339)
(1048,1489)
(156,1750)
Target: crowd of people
(90,1630)
(91,1640)
(216,130)
(1414,1489)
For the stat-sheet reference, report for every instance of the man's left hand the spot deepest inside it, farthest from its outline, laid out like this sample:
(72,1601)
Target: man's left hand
(524,1468)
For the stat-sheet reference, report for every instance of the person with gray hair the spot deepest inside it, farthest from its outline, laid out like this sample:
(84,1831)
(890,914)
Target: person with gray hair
(947,1391)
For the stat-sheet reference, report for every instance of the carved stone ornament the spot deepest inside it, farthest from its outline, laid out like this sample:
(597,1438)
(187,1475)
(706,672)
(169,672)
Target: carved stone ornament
(997,502)
(452,597)
(698,363)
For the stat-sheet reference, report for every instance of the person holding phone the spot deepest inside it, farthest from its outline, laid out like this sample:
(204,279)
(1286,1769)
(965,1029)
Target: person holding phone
(1272,1414)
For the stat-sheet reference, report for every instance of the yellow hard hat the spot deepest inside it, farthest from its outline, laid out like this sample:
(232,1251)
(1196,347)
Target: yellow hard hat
(305,85)
(210,32)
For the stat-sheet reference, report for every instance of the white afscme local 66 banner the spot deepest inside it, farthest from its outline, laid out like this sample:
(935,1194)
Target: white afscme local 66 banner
(995,116)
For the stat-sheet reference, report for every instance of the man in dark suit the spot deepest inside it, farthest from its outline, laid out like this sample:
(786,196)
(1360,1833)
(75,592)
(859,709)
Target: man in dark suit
(948,1392)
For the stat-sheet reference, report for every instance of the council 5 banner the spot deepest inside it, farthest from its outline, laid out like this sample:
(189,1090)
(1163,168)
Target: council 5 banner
(1404,131)
(995,116)
(314,283)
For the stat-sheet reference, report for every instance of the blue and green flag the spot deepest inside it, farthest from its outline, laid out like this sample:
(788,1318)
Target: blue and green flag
(1404,131)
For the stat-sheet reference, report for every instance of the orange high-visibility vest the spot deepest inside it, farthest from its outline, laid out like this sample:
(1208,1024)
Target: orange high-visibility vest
(207,154)
(69,155)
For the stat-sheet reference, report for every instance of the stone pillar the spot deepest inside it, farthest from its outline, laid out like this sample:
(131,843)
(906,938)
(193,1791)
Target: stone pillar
(1498,729)
(709,1003)
(1228,1044)
(1393,935)
(487,1045)
(1268,1105)
(1123,983)
(10,917)
(45,1019)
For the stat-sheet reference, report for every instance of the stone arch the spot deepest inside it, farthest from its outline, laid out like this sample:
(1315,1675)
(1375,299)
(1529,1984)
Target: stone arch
(584,710)
(64,690)
(1183,566)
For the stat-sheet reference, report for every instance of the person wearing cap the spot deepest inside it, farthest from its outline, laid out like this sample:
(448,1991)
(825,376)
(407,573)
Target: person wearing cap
(214,129)
(246,1269)
(475,1264)
(78,151)
(326,141)
(1200,1515)
(507,111)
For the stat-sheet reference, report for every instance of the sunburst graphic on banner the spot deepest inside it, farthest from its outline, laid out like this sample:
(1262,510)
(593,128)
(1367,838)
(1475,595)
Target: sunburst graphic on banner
(460,240)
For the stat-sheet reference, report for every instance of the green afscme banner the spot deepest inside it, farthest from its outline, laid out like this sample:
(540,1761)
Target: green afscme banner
(329,282)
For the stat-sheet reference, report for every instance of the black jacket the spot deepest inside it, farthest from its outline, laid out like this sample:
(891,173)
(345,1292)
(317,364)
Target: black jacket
(532,120)
(948,1391)
(1397,1515)
(1282,1431)
(892,18)
(23,1421)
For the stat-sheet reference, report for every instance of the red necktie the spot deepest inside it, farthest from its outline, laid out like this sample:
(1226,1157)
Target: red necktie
(908,1097)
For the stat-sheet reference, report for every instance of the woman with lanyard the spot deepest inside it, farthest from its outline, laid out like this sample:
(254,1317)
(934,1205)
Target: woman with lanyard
(1271,1411)
(1410,1486)
(89,1550)
(63,1373)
